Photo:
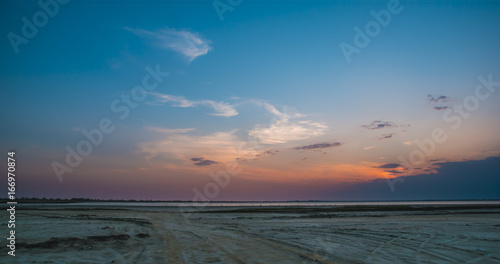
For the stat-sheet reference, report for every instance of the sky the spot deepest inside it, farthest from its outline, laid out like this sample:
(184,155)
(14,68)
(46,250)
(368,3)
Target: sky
(252,100)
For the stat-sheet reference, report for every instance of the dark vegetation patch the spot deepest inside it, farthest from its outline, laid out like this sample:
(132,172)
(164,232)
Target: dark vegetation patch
(74,242)
(137,221)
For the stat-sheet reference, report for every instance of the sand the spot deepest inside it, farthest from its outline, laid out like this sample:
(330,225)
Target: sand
(69,234)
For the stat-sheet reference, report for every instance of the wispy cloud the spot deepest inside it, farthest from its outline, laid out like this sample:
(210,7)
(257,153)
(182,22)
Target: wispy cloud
(220,108)
(285,128)
(269,152)
(408,143)
(389,166)
(378,125)
(319,146)
(258,154)
(441,108)
(219,146)
(215,148)
(439,102)
(169,131)
(271,109)
(395,171)
(283,131)
(286,114)
(203,162)
(392,168)
(385,136)
(179,100)
(440,98)
(382,124)
(189,44)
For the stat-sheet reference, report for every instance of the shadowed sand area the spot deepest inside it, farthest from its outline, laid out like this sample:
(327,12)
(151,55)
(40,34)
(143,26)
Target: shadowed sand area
(348,234)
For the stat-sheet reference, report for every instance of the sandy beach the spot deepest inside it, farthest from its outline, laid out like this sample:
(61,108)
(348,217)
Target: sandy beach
(358,234)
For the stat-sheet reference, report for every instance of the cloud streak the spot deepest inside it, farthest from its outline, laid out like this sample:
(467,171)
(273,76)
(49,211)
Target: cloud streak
(187,43)
(319,146)
(441,108)
(439,102)
(220,146)
(170,131)
(203,162)
(436,99)
(378,124)
(389,166)
(220,108)
(285,128)
(283,131)
(385,136)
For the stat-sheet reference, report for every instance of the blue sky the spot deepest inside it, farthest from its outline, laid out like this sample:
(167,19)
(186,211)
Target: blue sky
(270,73)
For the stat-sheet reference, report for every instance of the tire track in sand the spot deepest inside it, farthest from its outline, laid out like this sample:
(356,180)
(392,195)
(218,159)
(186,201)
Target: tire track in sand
(174,253)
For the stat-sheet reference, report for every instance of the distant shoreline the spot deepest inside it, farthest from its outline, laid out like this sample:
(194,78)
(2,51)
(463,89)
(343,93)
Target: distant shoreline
(88,200)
